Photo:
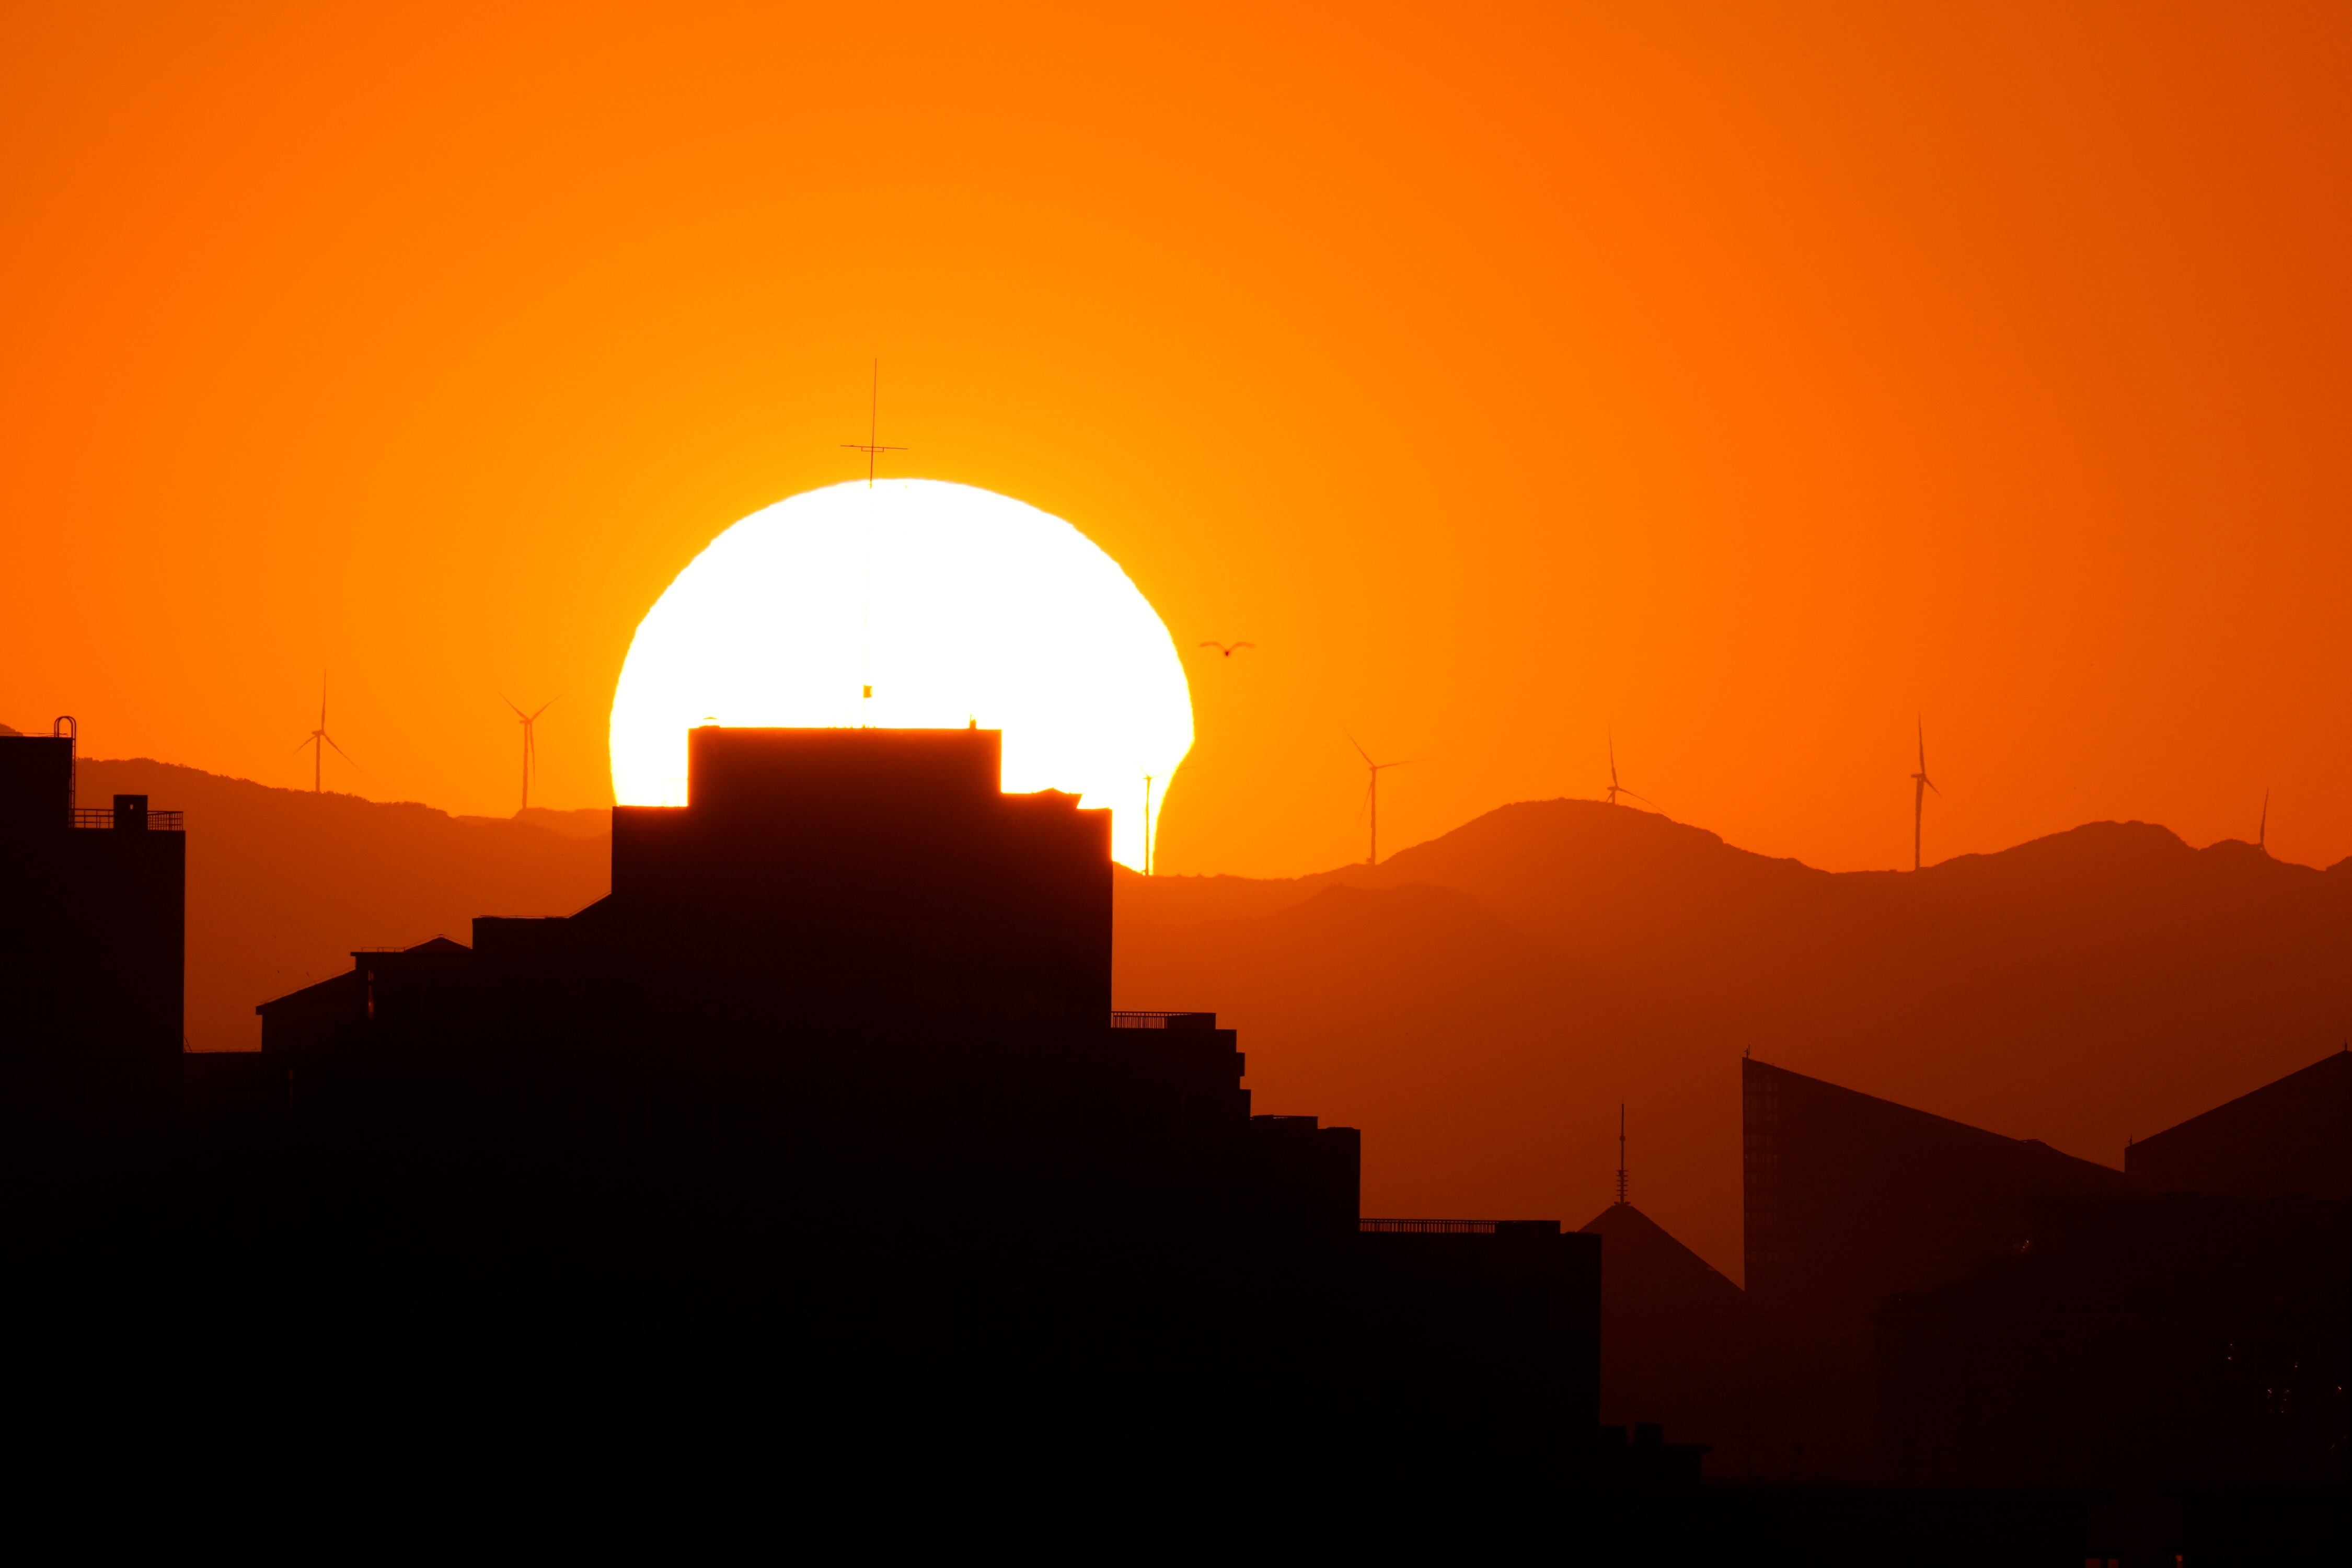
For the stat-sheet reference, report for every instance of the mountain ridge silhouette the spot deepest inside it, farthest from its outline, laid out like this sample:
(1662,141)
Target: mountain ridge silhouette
(2079,988)
(1480,1003)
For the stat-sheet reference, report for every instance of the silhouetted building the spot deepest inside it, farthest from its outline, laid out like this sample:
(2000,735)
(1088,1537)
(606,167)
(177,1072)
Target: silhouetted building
(1678,1343)
(829,1095)
(2291,1136)
(1849,1199)
(92,928)
(2174,1341)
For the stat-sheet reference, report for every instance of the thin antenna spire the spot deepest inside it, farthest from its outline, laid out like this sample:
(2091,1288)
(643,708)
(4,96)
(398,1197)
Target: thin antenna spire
(1621,1150)
(872,446)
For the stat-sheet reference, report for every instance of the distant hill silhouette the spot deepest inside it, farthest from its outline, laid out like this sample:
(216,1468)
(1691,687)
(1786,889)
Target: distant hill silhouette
(1478,1005)
(283,884)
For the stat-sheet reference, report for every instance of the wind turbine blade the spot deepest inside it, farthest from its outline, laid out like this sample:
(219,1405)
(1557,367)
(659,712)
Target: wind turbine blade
(1359,745)
(1644,799)
(512,703)
(1930,783)
(546,705)
(307,740)
(339,751)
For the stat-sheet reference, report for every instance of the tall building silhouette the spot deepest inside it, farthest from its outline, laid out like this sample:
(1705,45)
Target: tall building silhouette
(2291,1136)
(1848,1199)
(92,942)
(828,1089)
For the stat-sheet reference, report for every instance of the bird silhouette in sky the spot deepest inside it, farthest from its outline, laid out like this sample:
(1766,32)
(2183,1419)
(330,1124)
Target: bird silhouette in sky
(1229,649)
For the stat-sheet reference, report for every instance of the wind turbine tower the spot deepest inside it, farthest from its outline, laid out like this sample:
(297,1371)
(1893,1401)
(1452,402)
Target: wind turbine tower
(2263,829)
(1373,795)
(530,742)
(318,742)
(1616,789)
(1920,785)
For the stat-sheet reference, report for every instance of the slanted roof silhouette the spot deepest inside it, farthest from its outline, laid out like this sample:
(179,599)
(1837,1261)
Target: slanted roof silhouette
(1850,1198)
(1677,1338)
(2291,1136)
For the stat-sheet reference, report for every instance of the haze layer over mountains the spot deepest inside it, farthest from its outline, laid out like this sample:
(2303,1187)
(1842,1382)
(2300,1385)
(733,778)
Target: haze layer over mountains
(1480,1005)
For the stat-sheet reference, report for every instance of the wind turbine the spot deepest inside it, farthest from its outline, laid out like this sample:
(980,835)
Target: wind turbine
(2262,830)
(1616,789)
(1372,792)
(318,742)
(530,742)
(1920,785)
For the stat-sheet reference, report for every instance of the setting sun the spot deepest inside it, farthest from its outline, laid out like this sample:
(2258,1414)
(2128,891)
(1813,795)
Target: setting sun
(913,604)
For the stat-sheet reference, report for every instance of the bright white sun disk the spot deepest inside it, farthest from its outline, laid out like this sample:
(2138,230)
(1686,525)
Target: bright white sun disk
(953,604)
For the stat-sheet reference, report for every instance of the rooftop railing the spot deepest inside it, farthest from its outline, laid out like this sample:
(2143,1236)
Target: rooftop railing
(104,816)
(1459,1226)
(1132,1020)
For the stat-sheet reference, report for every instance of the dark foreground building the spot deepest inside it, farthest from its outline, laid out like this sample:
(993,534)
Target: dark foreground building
(2287,1138)
(1679,1344)
(2183,1352)
(91,944)
(1849,1199)
(824,1110)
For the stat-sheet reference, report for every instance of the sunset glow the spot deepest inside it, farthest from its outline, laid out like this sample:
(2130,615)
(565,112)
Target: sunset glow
(952,605)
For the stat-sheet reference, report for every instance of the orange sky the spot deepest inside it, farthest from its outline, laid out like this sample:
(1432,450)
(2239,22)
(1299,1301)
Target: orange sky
(1743,379)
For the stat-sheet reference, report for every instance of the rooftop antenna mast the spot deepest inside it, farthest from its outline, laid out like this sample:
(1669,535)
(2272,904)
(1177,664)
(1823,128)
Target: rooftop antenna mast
(1616,789)
(873,448)
(1621,1150)
(1920,785)
(318,742)
(530,742)
(1372,792)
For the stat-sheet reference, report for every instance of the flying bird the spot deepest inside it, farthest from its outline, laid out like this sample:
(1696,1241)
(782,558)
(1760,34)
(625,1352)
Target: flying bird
(1229,649)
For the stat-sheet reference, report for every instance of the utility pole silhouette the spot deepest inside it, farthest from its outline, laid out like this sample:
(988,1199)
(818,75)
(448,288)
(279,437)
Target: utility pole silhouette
(530,742)
(1372,792)
(1920,785)
(319,740)
(871,446)
(1616,789)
